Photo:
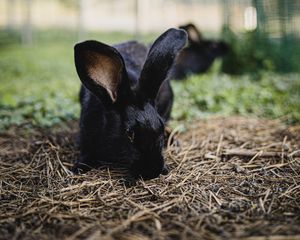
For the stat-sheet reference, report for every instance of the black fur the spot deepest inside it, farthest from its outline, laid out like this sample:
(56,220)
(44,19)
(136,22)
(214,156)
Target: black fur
(130,127)
(198,56)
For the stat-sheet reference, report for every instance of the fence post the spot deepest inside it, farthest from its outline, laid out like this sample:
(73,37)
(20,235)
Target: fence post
(10,15)
(27,27)
(137,19)
(226,13)
(81,30)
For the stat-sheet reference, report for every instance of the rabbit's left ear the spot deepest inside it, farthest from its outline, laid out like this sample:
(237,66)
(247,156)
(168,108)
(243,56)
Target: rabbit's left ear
(101,69)
(193,32)
(159,61)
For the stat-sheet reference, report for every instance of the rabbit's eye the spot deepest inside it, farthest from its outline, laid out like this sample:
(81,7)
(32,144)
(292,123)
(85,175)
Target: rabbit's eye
(130,135)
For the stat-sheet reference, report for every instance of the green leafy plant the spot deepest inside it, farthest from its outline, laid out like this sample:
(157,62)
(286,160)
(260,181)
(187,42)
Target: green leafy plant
(39,86)
(271,96)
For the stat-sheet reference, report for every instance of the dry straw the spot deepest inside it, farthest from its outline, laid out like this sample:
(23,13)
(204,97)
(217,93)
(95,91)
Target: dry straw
(233,178)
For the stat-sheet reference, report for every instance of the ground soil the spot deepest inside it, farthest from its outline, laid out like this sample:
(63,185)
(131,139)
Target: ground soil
(230,178)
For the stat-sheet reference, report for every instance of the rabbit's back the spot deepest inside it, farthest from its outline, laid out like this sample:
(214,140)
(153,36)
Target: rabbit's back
(134,55)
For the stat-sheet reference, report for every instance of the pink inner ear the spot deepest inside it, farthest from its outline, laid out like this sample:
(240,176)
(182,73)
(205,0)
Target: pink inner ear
(194,34)
(105,70)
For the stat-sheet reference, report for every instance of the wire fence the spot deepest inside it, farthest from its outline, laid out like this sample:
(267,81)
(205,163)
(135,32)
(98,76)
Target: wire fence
(278,18)
(269,20)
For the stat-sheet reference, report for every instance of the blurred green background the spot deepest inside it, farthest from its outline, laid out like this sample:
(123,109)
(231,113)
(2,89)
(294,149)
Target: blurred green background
(260,77)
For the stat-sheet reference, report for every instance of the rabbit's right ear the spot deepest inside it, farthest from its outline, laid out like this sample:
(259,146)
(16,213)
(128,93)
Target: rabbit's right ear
(159,61)
(194,34)
(101,69)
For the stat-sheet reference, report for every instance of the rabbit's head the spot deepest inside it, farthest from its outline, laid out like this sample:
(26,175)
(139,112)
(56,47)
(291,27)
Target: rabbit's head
(198,44)
(140,129)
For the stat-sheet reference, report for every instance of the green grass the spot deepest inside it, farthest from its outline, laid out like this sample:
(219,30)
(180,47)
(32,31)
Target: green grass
(268,95)
(39,85)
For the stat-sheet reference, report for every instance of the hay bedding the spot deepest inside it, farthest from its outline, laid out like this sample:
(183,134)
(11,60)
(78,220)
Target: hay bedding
(230,178)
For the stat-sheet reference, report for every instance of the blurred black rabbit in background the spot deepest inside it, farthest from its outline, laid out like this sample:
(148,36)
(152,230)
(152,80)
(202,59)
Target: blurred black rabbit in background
(198,56)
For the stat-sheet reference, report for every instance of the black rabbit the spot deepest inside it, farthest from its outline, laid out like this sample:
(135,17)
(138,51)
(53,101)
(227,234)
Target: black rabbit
(198,56)
(125,101)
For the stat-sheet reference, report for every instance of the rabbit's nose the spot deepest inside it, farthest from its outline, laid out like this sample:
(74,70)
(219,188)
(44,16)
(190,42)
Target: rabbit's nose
(165,170)
(150,173)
